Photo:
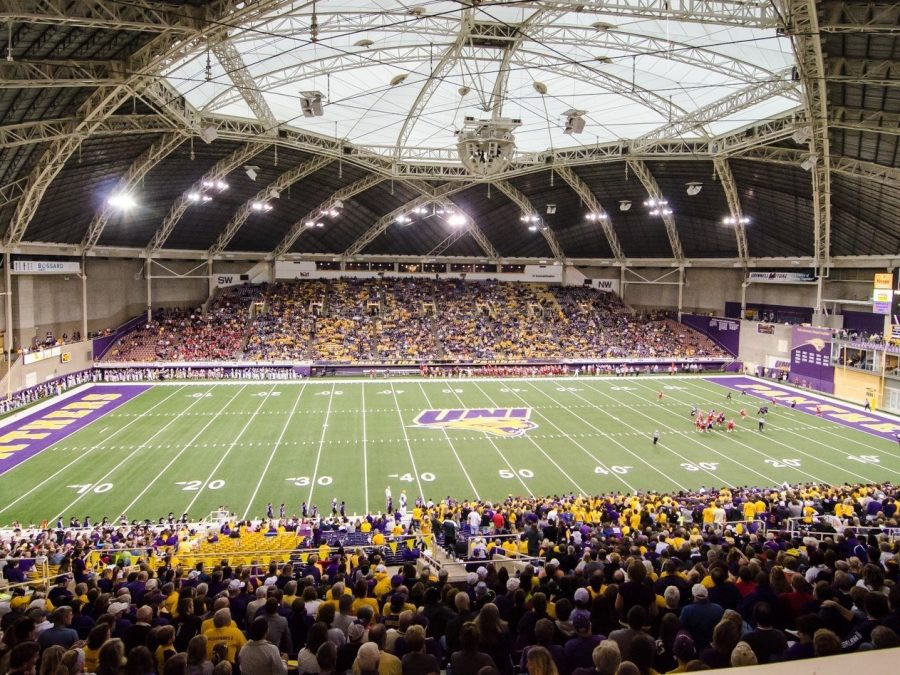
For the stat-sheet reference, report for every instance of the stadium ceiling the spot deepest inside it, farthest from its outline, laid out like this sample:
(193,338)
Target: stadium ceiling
(785,113)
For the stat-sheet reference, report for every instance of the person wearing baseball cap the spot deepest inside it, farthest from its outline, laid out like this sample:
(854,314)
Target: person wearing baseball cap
(684,652)
(579,649)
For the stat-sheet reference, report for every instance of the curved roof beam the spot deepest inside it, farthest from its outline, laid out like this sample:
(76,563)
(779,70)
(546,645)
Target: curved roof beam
(444,66)
(346,192)
(143,67)
(236,70)
(435,196)
(135,173)
(720,12)
(590,199)
(723,170)
(135,15)
(526,207)
(630,43)
(218,172)
(734,102)
(283,181)
(650,185)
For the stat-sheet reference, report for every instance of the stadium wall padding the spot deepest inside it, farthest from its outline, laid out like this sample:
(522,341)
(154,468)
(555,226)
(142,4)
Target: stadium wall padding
(853,385)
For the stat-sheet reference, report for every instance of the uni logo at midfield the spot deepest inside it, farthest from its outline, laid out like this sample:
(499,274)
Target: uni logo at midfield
(507,422)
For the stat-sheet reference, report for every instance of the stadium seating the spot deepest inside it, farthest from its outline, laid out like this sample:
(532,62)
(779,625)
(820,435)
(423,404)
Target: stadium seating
(660,580)
(410,320)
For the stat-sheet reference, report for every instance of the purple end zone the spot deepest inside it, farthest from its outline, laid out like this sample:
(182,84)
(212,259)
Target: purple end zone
(33,433)
(871,423)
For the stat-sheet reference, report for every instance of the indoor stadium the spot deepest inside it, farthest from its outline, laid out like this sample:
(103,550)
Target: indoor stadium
(465,337)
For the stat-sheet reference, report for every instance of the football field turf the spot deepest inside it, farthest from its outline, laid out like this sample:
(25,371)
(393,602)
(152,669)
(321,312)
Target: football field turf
(195,447)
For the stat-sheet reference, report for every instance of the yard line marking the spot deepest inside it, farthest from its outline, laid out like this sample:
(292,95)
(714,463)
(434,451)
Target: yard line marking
(315,474)
(230,447)
(274,450)
(189,444)
(127,457)
(843,469)
(502,456)
(562,434)
(630,452)
(540,449)
(406,438)
(452,448)
(365,444)
(84,454)
(749,447)
(686,459)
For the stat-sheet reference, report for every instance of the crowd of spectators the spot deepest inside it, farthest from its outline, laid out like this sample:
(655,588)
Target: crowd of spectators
(620,584)
(411,320)
(26,397)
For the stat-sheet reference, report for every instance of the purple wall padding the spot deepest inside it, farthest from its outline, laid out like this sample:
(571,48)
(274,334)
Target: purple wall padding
(811,358)
(102,345)
(724,332)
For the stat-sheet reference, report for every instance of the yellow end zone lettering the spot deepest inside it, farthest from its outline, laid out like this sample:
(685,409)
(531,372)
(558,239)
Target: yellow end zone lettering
(101,397)
(16,435)
(853,417)
(52,425)
(884,427)
(85,405)
(65,414)
(8,450)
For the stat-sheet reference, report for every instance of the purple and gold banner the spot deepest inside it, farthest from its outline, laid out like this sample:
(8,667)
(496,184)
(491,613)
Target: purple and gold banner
(29,435)
(872,423)
(811,358)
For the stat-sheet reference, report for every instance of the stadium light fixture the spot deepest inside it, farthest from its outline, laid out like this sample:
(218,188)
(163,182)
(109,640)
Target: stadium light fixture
(456,220)
(403,220)
(193,196)
(311,103)
(596,217)
(251,171)
(422,210)
(261,206)
(731,220)
(533,228)
(624,205)
(530,218)
(693,188)
(122,201)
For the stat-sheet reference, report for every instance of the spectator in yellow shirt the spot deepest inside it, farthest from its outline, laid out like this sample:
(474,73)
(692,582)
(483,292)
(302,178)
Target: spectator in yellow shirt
(224,632)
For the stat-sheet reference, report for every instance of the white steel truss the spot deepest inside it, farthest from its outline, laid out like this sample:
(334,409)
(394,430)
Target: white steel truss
(854,119)
(432,197)
(854,168)
(57,74)
(45,131)
(696,122)
(143,69)
(590,200)
(243,81)
(11,192)
(803,27)
(134,15)
(308,221)
(527,208)
(650,185)
(135,173)
(218,172)
(723,171)
(281,183)
(444,65)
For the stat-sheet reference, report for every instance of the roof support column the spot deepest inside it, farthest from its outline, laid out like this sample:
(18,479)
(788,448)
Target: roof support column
(649,182)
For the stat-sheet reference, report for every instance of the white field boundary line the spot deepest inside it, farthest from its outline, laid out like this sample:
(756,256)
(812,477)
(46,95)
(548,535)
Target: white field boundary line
(687,460)
(184,447)
(131,454)
(82,455)
(37,407)
(228,450)
(365,448)
(497,448)
(852,439)
(275,447)
(452,447)
(412,459)
(630,452)
(565,474)
(315,474)
(792,448)
(571,439)
(733,436)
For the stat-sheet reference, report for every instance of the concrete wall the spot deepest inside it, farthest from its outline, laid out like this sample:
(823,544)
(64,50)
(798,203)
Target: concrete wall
(49,369)
(757,348)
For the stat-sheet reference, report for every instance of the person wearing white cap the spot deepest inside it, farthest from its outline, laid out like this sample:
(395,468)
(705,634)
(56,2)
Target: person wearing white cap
(701,616)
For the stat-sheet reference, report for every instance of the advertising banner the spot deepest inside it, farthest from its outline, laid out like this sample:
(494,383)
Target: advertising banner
(45,267)
(775,277)
(811,358)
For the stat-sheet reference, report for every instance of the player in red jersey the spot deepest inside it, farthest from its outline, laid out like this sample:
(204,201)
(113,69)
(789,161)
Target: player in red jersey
(730,426)
(743,413)
(659,395)
(819,410)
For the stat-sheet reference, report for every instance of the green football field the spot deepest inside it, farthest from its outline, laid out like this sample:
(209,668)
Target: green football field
(195,447)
